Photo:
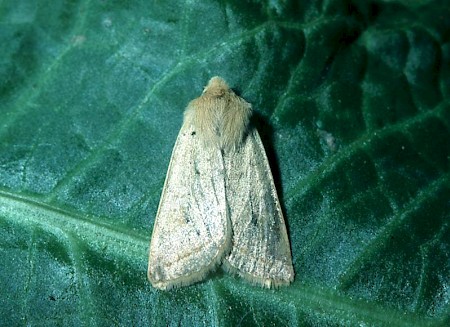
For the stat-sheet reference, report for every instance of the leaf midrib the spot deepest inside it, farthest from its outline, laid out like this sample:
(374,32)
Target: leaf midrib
(105,238)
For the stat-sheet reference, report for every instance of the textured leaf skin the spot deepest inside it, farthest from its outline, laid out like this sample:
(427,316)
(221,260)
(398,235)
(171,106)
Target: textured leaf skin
(352,103)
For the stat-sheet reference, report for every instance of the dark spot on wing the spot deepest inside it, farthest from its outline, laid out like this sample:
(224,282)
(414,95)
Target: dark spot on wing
(187,219)
(159,273)
(196,170)
(254,220)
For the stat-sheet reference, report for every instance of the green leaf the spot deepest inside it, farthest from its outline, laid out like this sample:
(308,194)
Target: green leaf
(351,100)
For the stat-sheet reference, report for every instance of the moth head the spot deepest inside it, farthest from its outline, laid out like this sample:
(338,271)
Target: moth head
(220,117)
(216,87)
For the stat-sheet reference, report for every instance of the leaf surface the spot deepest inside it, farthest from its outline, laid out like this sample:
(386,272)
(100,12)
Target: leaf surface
(351,100)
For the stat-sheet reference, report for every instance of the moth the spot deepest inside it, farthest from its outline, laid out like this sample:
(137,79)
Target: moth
(219,205)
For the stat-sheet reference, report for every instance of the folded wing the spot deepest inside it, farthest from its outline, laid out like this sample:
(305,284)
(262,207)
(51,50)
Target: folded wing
(191,233)
(260,247)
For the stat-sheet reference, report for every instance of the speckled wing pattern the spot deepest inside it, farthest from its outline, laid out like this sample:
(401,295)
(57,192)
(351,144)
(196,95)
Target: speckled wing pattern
(191,233)
(260,249)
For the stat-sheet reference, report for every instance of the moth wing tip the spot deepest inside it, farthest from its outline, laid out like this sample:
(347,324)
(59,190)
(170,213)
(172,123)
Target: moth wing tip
(165,284)
(179,282)
(269,283)
(161,285)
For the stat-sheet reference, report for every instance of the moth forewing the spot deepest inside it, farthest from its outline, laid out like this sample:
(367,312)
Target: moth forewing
(191,232)
(260,252)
